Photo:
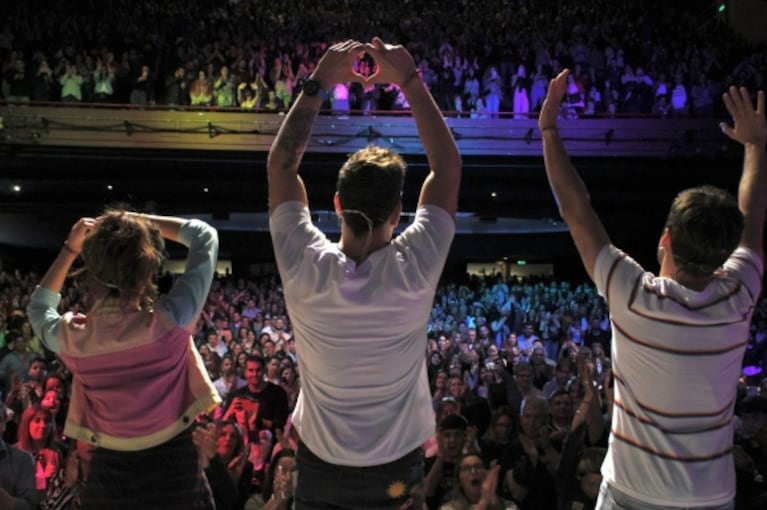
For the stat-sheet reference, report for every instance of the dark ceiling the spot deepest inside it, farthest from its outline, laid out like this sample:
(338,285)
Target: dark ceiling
(229,188)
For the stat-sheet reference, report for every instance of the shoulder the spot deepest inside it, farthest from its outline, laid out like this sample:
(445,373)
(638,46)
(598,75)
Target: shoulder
(274,389)
(430,222)
(18,456)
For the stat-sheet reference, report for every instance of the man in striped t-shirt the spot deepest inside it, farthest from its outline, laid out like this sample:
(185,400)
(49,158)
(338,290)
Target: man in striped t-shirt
(679,337)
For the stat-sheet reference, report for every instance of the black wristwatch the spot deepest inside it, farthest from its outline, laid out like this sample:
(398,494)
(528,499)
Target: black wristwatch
(313,88)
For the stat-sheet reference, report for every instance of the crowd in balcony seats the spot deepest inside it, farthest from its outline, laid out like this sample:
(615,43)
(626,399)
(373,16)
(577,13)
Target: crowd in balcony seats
(637,58)
(520,376)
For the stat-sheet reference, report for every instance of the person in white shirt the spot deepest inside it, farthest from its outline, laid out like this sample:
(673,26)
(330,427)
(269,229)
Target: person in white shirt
(679,334)
(359,308)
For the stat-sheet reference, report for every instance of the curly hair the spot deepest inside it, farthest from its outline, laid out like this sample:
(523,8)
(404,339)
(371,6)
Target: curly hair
(123,256)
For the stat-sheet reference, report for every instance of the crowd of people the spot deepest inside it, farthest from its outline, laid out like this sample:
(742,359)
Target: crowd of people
(634,58)
(519,371)
(110,376)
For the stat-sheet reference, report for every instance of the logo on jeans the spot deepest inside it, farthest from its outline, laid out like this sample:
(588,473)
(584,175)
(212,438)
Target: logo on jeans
(397,489)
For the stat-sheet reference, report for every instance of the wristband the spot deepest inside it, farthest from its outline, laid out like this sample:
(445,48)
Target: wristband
(409,79)
(68,248)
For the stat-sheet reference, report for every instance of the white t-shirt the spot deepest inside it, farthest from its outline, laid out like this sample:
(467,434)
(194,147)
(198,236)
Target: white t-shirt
(677,357)
(360,334)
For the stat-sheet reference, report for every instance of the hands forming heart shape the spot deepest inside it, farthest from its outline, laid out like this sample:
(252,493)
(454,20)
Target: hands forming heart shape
(392,64)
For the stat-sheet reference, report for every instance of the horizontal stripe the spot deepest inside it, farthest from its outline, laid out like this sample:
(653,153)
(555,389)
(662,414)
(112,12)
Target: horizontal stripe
(671,456)
(649,421)
(679,352)
(723,297)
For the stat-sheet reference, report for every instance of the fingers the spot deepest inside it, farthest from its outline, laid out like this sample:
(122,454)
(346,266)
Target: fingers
(732,101)
(727,130)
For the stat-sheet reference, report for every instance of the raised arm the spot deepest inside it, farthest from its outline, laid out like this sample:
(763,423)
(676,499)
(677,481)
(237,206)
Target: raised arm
(396,65)
(750,129)
(288,147)
(569,190)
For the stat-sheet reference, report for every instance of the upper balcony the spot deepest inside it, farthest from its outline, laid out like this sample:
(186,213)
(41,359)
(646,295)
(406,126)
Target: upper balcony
(65,126)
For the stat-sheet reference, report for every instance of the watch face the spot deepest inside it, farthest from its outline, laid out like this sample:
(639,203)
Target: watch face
(311,87)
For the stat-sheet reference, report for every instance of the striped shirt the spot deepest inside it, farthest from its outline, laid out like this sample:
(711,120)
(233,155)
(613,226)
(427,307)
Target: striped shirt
(677,357)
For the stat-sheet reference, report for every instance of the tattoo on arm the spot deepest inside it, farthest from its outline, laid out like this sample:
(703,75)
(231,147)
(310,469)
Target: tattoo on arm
(294,135)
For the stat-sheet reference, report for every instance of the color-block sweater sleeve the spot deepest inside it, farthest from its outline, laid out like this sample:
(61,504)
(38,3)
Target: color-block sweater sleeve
(188,294)
(44,317)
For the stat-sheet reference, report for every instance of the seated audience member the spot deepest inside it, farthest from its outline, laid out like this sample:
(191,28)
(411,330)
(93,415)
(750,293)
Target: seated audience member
(446,406)
(37,436)
(563,374)
(475,486)
(56,383)
(500,434)
(543,369)
(229,380)
(207,439)
(260,401)
(530,463)
(493,384)
(17,473)
(290,382)
(439,388)
(52,401)
(279,485)
(16,361)
(523,387)
(438,483)
(29,390)
(560,417)
(578,488)
(63,491)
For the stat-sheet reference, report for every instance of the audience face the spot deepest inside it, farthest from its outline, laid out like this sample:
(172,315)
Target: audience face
(227,367)
(451,443)
(563,374)
(36,371)
(52,401)
(55,384)
(456,387)
(253,373)
(503,428)
(533,418)
(39,427)
(273,368)
(471,474)
(561,406)
(284,474)
(440,381)
(227,441)
(524,378)
(20,345)
(537,357)
(590,483)
(288,375)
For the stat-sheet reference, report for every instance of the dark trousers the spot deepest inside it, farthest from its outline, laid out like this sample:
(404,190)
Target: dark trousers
(167,476)
(324,486)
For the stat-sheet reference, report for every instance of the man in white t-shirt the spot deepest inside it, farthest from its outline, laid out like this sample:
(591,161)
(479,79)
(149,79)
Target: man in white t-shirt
(678,338)
(359,308)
